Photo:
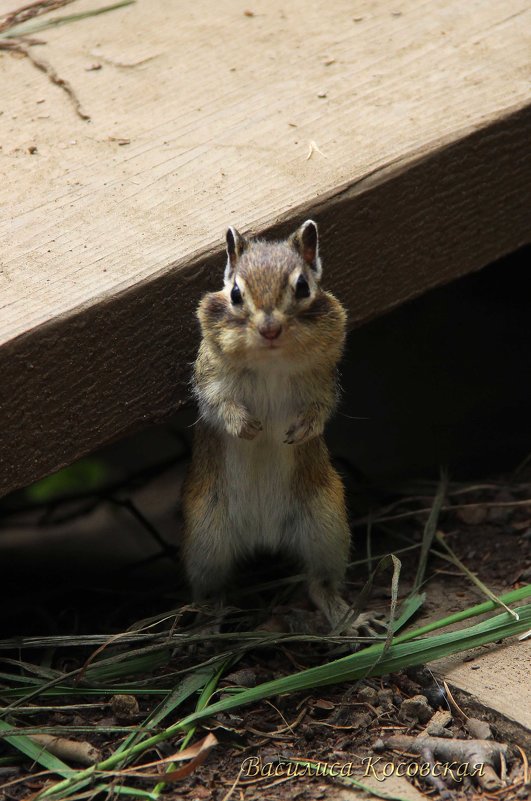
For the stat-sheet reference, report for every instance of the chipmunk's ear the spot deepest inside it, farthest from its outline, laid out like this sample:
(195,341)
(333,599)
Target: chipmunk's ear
(305,240)
(236,245)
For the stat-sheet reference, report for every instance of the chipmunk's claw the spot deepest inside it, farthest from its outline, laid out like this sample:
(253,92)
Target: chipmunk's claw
(369,624)
(299,432)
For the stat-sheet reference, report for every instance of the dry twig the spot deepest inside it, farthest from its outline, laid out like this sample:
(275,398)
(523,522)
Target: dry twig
(29,11)
(62,83)
(70,750)
(486,753)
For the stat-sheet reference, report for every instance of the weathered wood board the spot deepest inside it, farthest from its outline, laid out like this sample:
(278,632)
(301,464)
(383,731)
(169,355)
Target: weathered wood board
(403,128)
(495,678)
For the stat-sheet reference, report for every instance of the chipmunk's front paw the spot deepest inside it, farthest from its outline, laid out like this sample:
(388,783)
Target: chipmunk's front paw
(239,423)
(249,428)
(304,428)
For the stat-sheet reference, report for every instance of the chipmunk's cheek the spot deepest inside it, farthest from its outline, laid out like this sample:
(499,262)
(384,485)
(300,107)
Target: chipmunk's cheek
(231,340)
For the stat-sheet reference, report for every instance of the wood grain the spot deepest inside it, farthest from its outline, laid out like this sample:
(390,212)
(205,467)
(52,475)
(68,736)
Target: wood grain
(478,679)
(424,120)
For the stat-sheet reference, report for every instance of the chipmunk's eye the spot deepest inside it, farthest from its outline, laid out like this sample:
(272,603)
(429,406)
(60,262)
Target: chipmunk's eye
(236,295)
(302,288)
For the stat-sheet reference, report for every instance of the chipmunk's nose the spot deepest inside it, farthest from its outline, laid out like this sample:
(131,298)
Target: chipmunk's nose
(270,330)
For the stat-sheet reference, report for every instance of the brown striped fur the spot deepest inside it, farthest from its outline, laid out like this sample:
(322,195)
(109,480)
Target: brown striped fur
(261,475)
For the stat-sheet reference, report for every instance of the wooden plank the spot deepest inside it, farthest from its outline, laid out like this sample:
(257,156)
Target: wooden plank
(488,681)
(423,118)
(495,680)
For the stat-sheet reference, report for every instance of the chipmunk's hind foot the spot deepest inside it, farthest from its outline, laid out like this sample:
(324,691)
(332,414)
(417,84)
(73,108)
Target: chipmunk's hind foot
(340,615)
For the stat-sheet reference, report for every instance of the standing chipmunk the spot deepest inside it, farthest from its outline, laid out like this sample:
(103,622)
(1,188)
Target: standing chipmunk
(265,380)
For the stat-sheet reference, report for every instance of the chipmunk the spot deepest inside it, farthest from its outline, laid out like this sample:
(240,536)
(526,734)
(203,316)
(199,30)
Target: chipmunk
(265,381)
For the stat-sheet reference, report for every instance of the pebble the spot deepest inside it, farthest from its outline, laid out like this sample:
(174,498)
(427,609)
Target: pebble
(124,707)
(479,729)
(416,708)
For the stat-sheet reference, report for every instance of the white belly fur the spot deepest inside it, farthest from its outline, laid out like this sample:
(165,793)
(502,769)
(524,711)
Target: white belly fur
(258,472)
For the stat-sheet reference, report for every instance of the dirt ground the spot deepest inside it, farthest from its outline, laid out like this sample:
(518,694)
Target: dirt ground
(341,724)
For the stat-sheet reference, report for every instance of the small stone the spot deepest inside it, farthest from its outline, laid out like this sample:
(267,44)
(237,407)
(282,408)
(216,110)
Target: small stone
(499,514)
(321,94)
(124,707)
(361,721)
(443,717)
(479,729)
(385,698)
(473,516)
(308,732)
(202,792)
(323,704)
(368,694)
(246,677)
(416,708)
(435,730)
(437,725)
(436,696)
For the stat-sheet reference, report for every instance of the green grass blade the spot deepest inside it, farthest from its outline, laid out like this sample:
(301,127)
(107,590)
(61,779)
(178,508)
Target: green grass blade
(36,25)
(117,789)
(24,680)
(429,531)
(63,691)
(116,667)
(410,606)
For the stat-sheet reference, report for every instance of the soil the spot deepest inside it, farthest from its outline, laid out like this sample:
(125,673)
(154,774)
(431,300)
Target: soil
(342,724)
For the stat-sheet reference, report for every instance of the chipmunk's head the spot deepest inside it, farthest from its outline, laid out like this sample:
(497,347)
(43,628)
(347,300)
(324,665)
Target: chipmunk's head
(272,306)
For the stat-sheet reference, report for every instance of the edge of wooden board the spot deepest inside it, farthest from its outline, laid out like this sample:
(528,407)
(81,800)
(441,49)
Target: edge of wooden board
(103,370)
